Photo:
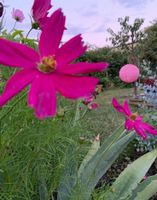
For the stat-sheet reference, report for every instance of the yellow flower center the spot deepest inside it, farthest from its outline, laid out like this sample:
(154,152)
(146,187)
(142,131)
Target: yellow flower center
(47,64)
(133,116)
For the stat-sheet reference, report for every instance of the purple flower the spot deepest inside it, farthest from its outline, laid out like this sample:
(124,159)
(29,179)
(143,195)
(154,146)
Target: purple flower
(17,15)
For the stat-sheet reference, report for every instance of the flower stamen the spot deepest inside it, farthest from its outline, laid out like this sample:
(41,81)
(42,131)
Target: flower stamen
(133,116)
(47,64)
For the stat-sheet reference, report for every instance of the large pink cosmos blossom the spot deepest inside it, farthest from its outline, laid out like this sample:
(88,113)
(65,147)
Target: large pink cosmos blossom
(40,11)
(134,121)
(49,70)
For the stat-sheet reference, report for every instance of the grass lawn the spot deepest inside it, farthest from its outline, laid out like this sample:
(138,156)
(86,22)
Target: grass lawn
(105,119)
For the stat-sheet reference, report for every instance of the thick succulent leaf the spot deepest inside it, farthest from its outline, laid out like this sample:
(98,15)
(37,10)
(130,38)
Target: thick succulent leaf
(99,164)
(69,176)
(130,178)
(92,151)
(146,189)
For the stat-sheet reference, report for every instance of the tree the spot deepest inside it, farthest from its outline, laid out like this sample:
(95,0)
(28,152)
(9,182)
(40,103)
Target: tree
(128,38)
(149,45)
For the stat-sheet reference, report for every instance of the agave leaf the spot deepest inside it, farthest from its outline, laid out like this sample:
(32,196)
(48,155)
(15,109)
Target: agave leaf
(128,180)
(92,151)
(69,176)
(146,189)
(43,193)
(100,163)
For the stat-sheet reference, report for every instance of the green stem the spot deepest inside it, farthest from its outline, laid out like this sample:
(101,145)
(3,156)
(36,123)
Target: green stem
(29,32)
(77,114)
(13,27)
(12,107)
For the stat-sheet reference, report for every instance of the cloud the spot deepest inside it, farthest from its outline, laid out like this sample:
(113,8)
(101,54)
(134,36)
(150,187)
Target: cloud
(93,18)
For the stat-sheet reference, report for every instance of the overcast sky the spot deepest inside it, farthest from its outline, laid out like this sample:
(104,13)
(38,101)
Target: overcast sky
(91,18)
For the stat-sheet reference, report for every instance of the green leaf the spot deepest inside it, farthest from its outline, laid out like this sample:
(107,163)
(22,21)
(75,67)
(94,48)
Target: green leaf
(100,163)
(128,180)
(43,193)
(69,176)
(16,33)
(92,151)
(146,189)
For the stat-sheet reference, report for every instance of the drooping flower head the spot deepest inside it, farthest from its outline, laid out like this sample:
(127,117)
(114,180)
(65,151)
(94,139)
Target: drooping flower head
(134,121)
(18,15)
(93,106)
(40,10)
(50,70)
(89,102)
(1,9)
(88,99)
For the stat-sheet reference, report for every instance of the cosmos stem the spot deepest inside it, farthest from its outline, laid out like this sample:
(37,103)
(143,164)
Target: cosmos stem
(29,32)
(13,28)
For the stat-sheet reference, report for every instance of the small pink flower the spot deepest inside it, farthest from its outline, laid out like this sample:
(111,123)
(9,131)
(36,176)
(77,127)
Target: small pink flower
(134,121)
(145,177)
(93,106)
(49,70)
(40,11)
(88,100)
(18,15)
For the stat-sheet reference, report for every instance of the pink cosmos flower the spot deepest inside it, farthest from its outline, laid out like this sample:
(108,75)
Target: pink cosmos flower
(18,15)
(134,121)
(49,70)
(40,11)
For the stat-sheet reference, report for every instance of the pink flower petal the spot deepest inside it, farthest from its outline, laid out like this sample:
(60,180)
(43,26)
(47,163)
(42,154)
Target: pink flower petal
(16,83)
(84,68)
(127,108)
(18,15)
(119,107)
(17,55)
(148,128)
(40,10)
(75,86)
(52,33)
(140,131)
(71,50)
(129,124)
(42,96)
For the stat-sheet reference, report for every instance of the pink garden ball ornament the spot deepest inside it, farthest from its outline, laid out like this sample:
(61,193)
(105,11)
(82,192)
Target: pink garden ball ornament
(129,73)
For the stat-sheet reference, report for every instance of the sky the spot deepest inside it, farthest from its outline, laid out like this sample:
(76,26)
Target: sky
(91,18)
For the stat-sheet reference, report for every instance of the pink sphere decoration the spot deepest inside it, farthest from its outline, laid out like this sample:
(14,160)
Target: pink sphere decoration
(129,73)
